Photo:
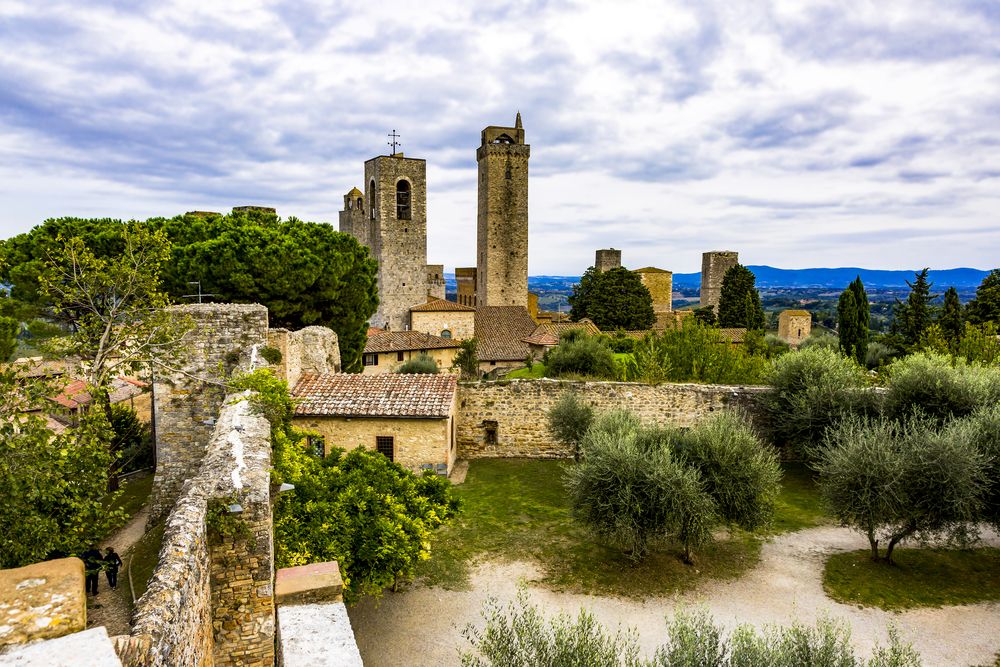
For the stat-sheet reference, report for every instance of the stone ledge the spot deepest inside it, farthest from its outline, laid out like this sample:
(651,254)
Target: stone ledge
(315,635)
(90,648)
(42,601)
(320,582)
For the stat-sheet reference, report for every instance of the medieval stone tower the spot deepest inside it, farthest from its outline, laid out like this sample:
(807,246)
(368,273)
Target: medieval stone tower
(502,235)
(392,222)
(713,268)
(607,259)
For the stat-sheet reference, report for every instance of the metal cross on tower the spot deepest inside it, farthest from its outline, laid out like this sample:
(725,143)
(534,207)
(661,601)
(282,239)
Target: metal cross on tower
(392,135)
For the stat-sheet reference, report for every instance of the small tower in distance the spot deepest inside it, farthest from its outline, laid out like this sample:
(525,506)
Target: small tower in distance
(353,220)
(502,231)
(714,265)
(606,259)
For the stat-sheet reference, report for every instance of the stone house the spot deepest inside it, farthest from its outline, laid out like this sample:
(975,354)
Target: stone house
(794,326)
(446,319)
(409,418)
(500,335)
(385,351)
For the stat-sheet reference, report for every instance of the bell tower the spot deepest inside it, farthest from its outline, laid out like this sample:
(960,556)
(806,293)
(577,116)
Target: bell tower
(502,233)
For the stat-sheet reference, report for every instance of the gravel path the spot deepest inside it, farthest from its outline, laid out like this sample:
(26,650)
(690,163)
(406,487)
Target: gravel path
(423,626)
(109,608)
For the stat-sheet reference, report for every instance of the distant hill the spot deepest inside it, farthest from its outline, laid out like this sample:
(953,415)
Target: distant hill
(769,276)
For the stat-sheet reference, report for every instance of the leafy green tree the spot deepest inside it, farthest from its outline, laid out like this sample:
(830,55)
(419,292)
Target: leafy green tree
(581,355)
(55,485)
(980,343)
(951,319)
(614,299)
(983,429)
(812,390)
(422,363)
(132,442)
(467,359)
(912,316)
(739,301)
(706,315)
(853,318)
(9,328)
(939,386)
(893,480)
(694,352)
(985,307)
(569,419)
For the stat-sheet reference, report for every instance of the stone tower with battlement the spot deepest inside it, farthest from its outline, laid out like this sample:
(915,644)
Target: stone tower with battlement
(606,259)
(502,234)
(714,265)
(353,219)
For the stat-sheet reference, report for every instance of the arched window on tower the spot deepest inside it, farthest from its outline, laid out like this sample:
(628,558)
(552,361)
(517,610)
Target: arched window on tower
(371,189)
(403,200)
(361,204)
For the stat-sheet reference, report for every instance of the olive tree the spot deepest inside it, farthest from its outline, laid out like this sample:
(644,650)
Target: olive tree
(569,419)
(894,480)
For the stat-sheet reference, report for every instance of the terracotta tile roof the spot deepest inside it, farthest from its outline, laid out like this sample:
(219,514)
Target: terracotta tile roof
(558,328)
(543,338)
(385,395)
(651,269)
(73,395)
(799,313)
(500,332)
(124,388)
(439,305)
(402,341)
(734,335)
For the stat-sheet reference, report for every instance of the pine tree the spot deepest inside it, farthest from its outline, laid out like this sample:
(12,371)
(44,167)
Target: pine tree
(739,301)
(950,319)
(848,327)
(985,307)
(914,315)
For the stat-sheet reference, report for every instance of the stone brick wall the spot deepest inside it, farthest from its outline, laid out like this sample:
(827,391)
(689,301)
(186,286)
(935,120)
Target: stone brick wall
(354,218)
(607,258)
(518,411)
(186,402)
(42,601)
(502,233)
(435,281)
(399,246)
(308,350)
(794,326)
(660,284)
(461,324)
(211,603)
(713,268)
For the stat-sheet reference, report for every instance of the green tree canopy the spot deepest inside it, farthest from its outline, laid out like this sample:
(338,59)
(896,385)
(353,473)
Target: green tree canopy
(8,337)
(739,301)
(985,307)
(853,317)
(913,316)
(950,319)
(615,299)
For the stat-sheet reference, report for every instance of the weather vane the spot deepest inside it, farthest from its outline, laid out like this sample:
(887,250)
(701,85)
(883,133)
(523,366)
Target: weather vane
(392,135)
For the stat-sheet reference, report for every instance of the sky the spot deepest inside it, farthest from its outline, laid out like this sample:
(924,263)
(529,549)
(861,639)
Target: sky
(800,134)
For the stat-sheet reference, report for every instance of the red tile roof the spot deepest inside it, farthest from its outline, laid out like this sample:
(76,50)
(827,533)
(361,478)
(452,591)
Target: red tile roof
(402,341)
(439,305)
(500,332)
(73,395)
(386,395)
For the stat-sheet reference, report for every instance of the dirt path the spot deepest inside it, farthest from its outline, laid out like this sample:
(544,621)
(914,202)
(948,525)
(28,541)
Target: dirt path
(423,626)
(109,608)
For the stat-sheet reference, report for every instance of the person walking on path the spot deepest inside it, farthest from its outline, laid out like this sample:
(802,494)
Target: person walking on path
(112,562)
(92,562)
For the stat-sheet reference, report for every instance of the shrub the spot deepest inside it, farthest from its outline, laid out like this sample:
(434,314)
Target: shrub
(620,343)
(821,339)
(775,346)
(894,480)
(519,634)
(812,390)
(983,430)
(694,352)
(467,359)
(580,354)
(569,420)
(878,354)
(422,363)
(271,355)
(939,386)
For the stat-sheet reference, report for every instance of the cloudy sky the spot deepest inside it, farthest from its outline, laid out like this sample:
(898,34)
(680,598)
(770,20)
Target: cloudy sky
(799,133)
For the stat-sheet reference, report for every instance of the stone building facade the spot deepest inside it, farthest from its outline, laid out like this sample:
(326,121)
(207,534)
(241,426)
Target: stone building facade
(502,234)
(714,265)
(794,326)
(660,284)
(435,281)
(354,220)
(446,319)
(607,259)
(465,278)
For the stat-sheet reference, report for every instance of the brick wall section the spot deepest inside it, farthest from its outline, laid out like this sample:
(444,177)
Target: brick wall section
(520,409)
(212,604)
(187,403)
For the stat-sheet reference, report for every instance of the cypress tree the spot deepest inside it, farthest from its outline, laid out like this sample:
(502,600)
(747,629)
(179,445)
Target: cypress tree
(739,301)
(864,320)
(848,327)
(950,319)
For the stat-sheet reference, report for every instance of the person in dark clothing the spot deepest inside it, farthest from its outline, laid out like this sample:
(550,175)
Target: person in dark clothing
(112,561)
(92,562)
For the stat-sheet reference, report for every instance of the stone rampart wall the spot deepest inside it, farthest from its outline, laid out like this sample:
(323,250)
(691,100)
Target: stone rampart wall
(514,413)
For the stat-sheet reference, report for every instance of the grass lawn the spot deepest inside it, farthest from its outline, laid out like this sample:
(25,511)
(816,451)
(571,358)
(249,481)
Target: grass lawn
(799,505)
(537,371)
(920,578)
(517,510)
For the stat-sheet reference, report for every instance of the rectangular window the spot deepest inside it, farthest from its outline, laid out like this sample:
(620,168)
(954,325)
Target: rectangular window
(369,359)
(399,356)
(317,445)
(384,445)
(490,428)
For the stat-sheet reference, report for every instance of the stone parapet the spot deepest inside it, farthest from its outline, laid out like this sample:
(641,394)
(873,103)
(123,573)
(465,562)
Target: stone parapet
(42,601)
(510,419)
(88,648)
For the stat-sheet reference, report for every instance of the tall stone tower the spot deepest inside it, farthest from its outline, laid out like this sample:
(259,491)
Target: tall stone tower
(713,268)
(607,258)
(502,235)
(396,198)
(353,220)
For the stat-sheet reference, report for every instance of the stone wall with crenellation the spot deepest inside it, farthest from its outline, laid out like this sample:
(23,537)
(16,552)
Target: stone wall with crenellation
(515,412)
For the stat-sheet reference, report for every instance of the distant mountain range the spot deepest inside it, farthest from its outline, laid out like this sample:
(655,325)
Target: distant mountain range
(839,278)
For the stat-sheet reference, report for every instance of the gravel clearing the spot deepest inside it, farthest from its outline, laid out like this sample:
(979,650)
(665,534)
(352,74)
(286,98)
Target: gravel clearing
(423,626)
